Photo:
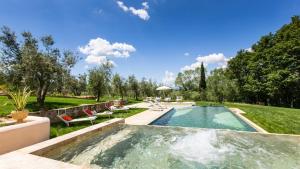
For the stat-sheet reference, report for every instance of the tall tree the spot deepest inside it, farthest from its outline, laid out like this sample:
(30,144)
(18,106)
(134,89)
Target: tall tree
(77,85)
(29,64)
(270,72)
(99,79)
(202,84)
(220,87)
(134,86)
(118,85)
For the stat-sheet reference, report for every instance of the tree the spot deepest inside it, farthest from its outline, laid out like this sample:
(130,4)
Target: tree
(2,77)
(77,85)
(220,87)
(134,86)
(270,72)
(118,85)
(29,64)
(180,82)
(99,79)
(202,84)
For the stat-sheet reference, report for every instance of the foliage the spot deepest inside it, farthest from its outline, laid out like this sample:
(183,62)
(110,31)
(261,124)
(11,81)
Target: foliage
(119,85)
(220,87)
(192,80)
(134,86)
(77,85)
(99,79)
(19,99)
(26,63)
(270,73)
(202,84)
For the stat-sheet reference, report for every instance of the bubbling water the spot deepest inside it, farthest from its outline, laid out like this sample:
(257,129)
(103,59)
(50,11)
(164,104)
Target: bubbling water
(176,147)
(202,147)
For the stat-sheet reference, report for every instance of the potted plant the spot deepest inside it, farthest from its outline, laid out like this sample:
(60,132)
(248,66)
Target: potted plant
(19,100)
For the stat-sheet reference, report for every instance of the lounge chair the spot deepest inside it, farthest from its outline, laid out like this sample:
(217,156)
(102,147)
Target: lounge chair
(148,99)
(68,120)
(167,99)
(93,113)
(114,108)
(156,106)
(157,103)
(179,98)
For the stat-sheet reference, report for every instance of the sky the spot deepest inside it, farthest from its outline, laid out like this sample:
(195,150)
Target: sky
(150,38)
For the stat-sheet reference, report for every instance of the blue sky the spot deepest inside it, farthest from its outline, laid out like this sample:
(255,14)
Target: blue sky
(148,38)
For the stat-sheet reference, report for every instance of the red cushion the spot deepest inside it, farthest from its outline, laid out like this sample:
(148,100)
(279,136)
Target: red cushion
(89,112)
(67,118)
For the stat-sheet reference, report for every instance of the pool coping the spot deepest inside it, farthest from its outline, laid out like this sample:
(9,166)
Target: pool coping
(238,131)
(239,113)
(146,117)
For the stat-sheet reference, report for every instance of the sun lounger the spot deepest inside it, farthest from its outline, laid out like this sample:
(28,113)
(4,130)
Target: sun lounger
(93,113)
(68,120)
(156,106)
(167,99)
(114,108)
(157,103)
(179,98)
(157,99)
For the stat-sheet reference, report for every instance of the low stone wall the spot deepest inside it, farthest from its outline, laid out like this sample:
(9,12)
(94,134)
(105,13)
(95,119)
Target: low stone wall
(72,111)
(32,131)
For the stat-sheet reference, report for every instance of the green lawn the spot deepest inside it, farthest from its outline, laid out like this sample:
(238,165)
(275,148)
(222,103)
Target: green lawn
(50,103)
(59,129)
(272,119)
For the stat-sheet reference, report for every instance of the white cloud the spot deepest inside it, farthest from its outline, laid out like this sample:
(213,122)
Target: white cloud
(215,58)
(145,5)
(98,50)
(169,78)
(141,13)
(186,54)
(122,6)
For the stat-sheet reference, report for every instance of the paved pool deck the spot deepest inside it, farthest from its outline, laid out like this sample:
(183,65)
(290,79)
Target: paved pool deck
(152,114)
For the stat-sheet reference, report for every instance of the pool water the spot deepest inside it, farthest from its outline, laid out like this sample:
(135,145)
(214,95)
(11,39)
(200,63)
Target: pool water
(216,117)
(153,147)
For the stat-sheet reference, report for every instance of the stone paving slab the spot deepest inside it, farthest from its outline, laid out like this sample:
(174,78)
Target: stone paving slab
(16,160)
(146,117)
(151,114)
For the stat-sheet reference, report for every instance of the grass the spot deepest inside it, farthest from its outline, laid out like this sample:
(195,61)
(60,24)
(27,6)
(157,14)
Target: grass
(59,129)
(50,103)
(273,119)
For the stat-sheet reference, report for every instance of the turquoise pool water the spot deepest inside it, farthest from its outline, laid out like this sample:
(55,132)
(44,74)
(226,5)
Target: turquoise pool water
(155,147)
(203,117)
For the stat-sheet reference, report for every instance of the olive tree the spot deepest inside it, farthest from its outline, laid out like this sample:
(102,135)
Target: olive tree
(99,79)
(33,62)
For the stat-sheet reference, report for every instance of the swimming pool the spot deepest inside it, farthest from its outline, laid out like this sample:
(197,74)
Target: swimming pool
(152,147)
(216,117)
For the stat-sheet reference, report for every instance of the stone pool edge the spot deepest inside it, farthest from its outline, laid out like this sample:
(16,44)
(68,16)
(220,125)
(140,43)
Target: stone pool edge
(239,113)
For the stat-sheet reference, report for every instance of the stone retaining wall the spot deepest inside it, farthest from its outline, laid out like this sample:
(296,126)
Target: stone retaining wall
(72,111)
